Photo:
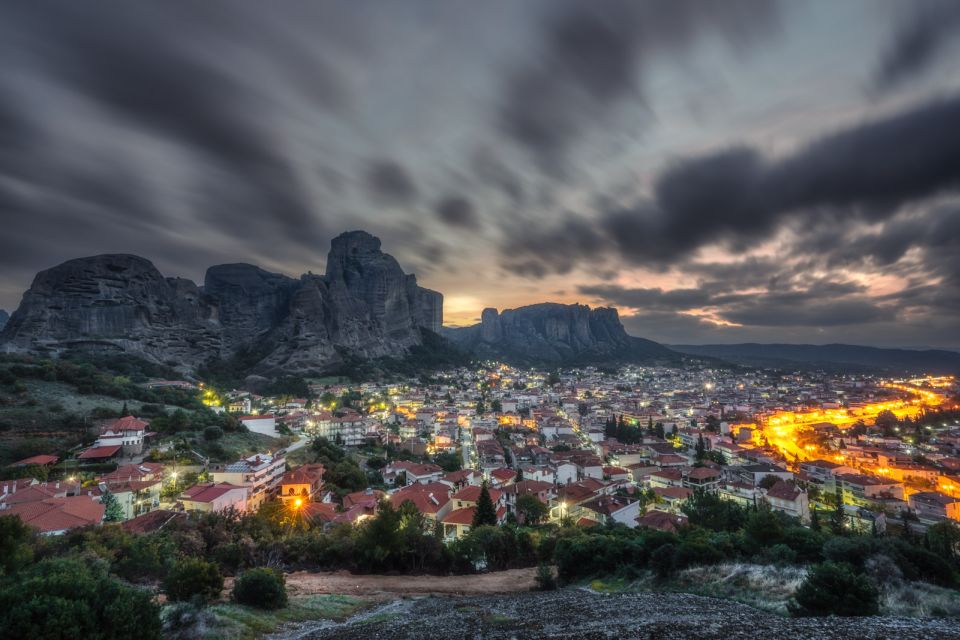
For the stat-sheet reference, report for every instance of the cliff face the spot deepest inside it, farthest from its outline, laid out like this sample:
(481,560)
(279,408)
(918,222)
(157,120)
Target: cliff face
(365,306)
(4,316)
(552,333)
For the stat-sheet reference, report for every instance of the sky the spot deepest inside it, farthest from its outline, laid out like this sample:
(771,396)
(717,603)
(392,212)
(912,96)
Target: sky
(737,171)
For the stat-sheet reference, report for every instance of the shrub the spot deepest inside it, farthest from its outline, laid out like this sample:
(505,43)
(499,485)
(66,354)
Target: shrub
(212,433)
(261,587)
(661,560)
(67,598)
(833,589)
(193,579)
(545,579)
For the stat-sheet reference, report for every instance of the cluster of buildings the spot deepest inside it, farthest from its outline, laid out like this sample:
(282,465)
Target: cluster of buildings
(590,446)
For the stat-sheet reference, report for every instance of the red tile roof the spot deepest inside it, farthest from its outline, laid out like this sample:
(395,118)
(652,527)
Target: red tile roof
(59,514)
(208,491)
(460,516)
(471,493)
(96,453)
(40,460)
(662,521)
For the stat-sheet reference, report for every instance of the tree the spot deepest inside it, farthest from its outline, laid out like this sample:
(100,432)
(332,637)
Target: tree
(261,587)
(193,579)
(834,589)
(486,513)
(553,379)
(16,544)
(838,517)
(700,449)
(67,598)
(531,509)
(113,512)
(496,406)
(481,408)
(658,431)
(767,482)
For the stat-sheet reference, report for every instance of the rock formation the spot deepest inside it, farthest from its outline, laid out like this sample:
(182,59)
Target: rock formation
(364,307)
(4,316)
(551,333)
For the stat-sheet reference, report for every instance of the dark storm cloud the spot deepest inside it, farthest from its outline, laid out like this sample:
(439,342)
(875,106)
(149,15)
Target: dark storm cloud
(810,302)
(457,211)
(918,41)
(591,58)
(740,197)
(389,183)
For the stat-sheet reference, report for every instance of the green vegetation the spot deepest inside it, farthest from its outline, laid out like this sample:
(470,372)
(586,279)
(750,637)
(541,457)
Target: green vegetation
(261,587)
(835,590)
(195,580)
(67,598)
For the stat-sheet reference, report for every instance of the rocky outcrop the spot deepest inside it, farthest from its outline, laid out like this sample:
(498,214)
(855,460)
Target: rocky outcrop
(552,333)
(114,302)
(4,316)
(364,307)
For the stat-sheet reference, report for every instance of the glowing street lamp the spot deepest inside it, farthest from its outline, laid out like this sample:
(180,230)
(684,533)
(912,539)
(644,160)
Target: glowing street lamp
(297,503)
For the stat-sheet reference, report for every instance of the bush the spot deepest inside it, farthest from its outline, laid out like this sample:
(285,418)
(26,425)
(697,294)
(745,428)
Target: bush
(193,579)
(833,589)
(545,579)
(261,587)
(212,433)
(62,598)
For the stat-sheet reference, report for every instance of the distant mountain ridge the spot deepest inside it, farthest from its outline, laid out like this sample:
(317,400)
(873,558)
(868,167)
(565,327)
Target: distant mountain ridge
(364,307)
(755,354)
(553,334)
(4,316)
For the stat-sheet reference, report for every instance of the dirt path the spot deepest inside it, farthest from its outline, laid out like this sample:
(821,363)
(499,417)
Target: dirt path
(343,582)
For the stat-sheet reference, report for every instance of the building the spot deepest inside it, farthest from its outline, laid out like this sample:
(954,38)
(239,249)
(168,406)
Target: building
(56,516)
(261,474)
(127,433)
(790,499)
(932,506)
(212,497)
(265,424)
(303,483)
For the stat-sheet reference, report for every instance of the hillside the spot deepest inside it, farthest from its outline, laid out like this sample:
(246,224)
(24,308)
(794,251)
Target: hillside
(829,356)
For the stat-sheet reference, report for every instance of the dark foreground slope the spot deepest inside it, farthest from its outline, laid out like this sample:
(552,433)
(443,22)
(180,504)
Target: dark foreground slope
(827,355)
(575,613)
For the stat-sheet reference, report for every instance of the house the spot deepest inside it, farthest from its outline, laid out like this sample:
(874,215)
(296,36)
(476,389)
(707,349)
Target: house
(152,521)
(932,506)
(609,509)
(211,497)
(703,478)
(459,479)
(868,491)
(543,491)
(40,461)
(410,472)
(431,499)
(500,478)
(754,473)
(126,432)
(824,472)
(672,498)
(616,473)
(662,521)
(265,424)
(260,473)
(790,499)
(666,478)
(56,516)
(303,483)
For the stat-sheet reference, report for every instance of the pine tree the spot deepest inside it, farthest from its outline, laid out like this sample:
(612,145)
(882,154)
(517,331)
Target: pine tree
(124,412)
(113,512)
(836,520)
(659,432)
(815,519)
(650,425)
(701,448)
(486,513)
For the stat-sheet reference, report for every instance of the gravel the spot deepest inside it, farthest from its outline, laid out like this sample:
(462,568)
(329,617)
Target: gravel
(581,614)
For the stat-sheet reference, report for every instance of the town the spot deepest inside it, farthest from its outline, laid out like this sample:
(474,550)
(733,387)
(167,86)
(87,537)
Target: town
(583,447)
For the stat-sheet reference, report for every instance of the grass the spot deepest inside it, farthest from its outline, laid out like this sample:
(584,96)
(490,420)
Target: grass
(236,622)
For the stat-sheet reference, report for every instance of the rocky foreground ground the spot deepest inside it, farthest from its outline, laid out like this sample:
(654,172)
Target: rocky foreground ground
(576,613)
